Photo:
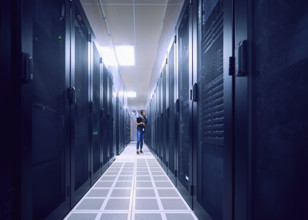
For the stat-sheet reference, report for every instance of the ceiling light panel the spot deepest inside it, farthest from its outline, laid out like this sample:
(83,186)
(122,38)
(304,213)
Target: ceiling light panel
(108,56)
(125,55)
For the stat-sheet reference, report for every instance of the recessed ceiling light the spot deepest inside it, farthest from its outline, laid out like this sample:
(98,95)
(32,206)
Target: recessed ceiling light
(128,94)
(108,56)
(131,94)
(125,55)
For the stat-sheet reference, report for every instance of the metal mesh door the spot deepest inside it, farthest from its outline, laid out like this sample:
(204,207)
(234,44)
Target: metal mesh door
(211,110)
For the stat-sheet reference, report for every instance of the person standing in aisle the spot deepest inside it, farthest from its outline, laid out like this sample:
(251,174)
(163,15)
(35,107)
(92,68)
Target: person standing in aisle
(141,124)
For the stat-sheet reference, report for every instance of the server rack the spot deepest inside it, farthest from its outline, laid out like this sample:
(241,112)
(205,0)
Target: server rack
(117,125)
(104,116)
(210,110)
(50,110)
(171,114)
(164,117)
(95,107)
(80,115)
(60,108)
(185,104)
(110,117)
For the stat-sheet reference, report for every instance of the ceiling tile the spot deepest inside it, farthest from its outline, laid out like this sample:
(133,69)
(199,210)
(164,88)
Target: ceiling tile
(127,70)
(97,23)
(121,24)
(176,2)
(172,14)
(117,1)
(150,1)
(148,23)
(89,2)
(145,56)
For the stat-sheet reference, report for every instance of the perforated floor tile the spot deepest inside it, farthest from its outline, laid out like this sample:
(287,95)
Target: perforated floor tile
(167,193)
(90,204)
(163,184)
(144,184)
(146,204)
(148,216)
(181,216)
(114,216)
(145,193)
(173,204)
(117,204)
(98,193)
(82,216)
(121,193)
(103,184)
(124,184)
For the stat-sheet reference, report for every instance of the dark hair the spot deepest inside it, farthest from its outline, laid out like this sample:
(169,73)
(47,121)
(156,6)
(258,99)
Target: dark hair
(142,111)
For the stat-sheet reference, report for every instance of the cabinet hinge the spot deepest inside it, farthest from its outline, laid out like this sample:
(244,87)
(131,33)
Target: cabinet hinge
(26,68)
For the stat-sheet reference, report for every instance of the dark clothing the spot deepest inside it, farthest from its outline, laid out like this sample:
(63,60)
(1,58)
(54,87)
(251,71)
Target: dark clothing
(144,120)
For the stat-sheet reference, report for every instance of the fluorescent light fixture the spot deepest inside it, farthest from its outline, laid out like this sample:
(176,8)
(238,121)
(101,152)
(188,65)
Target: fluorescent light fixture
(108,56)
(125,55)
(128,94)
(131,94)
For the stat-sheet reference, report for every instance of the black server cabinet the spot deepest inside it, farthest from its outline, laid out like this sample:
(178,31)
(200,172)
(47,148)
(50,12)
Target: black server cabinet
(109,116)
(271,105)
(80,114)
(16,113)
(210,109)
(171,112)
(127,127)
(10,155)
(213,108)
(159,119)
(96,147)
(104,115)
(185,105)
(164,117)
(117,125)
(50,110)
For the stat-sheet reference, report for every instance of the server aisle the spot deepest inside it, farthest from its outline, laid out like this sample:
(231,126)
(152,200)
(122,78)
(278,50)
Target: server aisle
(134,187)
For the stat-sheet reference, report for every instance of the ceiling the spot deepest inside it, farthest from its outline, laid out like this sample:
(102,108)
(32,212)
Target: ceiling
(146,24)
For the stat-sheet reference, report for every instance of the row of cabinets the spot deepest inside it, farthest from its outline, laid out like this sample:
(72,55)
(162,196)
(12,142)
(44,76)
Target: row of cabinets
(217,121)
(72,125)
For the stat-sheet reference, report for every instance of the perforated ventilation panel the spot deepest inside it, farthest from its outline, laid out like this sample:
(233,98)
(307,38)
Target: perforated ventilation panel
(212,78)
